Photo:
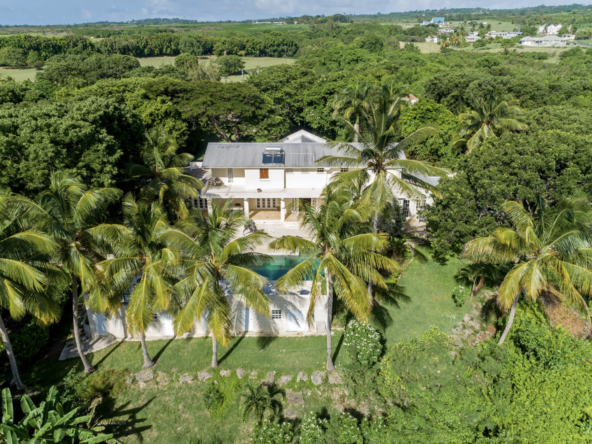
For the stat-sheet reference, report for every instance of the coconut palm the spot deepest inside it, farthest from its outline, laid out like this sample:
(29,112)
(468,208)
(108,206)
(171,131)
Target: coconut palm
(551,254)
(24,283)
(68,211)
(143,269)
(338,255)
(259,400)
(163,173)
(353,102)
(377,158)
(489,118)
(216,258)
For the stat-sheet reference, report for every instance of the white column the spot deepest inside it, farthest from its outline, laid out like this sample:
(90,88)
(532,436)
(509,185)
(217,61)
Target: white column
(210,209)
(246,208)
(283,209)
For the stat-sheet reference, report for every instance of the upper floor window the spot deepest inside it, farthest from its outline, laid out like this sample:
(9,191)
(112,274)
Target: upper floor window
(200,203)
(263,173)
(344,169)
(320,170)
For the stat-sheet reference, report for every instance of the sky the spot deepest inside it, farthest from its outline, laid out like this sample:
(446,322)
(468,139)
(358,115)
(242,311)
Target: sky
(63,12)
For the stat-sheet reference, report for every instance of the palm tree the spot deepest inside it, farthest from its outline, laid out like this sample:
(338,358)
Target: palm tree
(215,257)
(163,173)
(68,211)
(353,102)
(142,266)
(550,255)
(377,157)
(338,255)
(24,283)
(489,118)
(258,401)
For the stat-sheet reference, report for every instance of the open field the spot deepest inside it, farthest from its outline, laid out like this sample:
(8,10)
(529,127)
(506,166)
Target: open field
(427,48)
(18,74)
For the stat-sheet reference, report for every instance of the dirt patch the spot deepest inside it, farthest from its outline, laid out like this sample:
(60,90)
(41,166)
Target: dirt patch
(568,318)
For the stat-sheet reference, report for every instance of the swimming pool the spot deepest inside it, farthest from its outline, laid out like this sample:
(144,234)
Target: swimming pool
(279,266)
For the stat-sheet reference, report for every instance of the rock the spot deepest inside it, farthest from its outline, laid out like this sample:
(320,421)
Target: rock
(202,376)
(269,379)
(162,378)
(186,377)
(302,376)
(141,384)
(145,375)
(225,373)
(290,414)
(129,379)
(253,375)
(285,379)
(294,397)
(334,378)
(466,317)
(240,373)
(317,377)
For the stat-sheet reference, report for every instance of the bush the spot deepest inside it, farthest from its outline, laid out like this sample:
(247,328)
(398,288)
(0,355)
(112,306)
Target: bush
(82,389)
(459,296)
(313,429)
(229,64)
(213,397)
(344,429)
(28,342)
(363,344)
(273,433)
(14,57)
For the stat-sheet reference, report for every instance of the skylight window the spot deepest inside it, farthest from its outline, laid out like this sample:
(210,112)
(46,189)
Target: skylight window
(273,155)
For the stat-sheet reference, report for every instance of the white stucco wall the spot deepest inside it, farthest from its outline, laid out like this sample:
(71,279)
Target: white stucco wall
(275,181)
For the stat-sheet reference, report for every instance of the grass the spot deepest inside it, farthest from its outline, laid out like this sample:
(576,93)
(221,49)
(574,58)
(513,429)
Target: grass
(175,412)
(19,75)
(427,48)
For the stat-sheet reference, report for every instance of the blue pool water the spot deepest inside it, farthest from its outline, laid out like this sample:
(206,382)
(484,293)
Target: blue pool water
(279,266)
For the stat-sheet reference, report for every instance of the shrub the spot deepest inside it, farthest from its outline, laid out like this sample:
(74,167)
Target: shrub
(459,296)
(213,397)
(313,429)
(14,57)
(81,389)
(273,433)
(229,64)
(363,343)
(28,342)
(344,429)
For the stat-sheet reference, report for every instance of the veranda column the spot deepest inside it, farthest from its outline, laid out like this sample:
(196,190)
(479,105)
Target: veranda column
(210,210)
(246,208)
(283,209)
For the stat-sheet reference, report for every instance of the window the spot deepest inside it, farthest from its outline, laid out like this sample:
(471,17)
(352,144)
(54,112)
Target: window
(405,207)
(313,203)
(200,203)
(266,203)
(230,174)
(276,314)
(264,173)
(419,207)
(344,169)
(320,170)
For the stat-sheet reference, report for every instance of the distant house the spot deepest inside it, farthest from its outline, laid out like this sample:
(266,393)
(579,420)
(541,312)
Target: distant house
(548,40)
(411,99)
(445,31)
(434,20)
(502,34)
(433,39)
(550,29)
(472,37)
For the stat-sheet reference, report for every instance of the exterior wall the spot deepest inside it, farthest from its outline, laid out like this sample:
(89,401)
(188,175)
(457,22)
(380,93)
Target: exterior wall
(275,181)
(307,178)
(292,318)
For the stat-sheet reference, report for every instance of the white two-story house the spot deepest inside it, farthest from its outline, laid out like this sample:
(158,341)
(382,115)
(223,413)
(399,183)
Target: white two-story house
(263,179)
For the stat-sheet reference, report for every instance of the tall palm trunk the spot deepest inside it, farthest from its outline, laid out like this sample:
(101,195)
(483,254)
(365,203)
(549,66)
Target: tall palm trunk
(357,130)
(87,367)
(147,361)
(476,289)
(16,378)
(510,320)
(329,280)
(375,227)
(214,352)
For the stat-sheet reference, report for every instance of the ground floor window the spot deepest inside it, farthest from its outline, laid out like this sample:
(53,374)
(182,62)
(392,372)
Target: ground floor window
(266,203)
(200,203)
(419,207)
(405,207)
(276,314)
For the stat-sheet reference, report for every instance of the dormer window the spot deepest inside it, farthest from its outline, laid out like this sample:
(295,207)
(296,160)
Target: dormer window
(273,156)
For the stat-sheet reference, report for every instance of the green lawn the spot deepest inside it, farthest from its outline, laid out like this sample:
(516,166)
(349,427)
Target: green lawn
(175,413)
(19,74)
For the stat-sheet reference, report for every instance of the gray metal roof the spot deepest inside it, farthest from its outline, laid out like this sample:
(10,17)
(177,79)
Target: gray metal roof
(250,155)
